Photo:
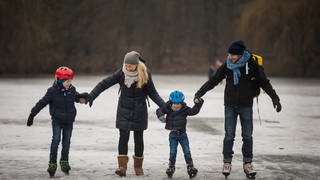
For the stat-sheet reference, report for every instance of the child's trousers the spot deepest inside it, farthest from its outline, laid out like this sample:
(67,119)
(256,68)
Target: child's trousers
(176,137)
(57,129)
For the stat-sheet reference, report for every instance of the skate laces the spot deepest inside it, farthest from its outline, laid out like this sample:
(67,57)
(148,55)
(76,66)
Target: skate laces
(64,163)
(52,165)
(227,166)
(248,167)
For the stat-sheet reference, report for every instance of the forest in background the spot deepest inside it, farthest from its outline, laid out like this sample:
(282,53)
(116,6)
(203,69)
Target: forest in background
(179,36)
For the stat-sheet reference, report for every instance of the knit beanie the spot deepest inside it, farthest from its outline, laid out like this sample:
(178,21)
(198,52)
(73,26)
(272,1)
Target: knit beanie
(237,48)
(132,58)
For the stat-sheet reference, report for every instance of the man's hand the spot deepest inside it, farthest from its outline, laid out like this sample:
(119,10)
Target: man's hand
(277,105)
(30,120)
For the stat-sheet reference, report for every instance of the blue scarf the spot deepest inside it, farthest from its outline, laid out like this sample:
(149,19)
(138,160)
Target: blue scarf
(235,66)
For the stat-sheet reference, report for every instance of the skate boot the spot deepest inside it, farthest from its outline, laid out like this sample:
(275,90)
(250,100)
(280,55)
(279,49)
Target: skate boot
(52,167)
(192,171)
(248,170)
(170,170)
(226,169)
(122,163)
(65,167)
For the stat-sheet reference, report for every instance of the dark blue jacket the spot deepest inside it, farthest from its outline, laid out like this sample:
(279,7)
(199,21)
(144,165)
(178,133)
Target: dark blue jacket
(242,94)
(132,112)
(61,103)
(177,120)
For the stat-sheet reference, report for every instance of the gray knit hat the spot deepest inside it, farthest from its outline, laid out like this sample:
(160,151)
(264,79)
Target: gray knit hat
(132,57)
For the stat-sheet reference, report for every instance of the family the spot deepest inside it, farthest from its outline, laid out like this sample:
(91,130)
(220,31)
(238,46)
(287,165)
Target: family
(243,76)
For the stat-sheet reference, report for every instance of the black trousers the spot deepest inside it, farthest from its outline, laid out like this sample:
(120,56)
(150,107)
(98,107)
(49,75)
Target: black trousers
(138,142)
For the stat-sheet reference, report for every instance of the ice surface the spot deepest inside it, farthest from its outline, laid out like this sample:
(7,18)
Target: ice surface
(286,144)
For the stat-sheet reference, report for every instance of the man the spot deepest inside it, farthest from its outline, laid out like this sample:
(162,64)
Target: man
(243,78)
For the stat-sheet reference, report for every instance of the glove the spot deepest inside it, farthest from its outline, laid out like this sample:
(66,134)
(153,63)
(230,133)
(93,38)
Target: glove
(162,118)
(197,99)
(30,120)
(277,105)
(83,95)
(89,99)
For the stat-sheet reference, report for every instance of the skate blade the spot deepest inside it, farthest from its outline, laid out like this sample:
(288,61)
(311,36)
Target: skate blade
(51,174)
(192,176)
(251,176)
(226,174)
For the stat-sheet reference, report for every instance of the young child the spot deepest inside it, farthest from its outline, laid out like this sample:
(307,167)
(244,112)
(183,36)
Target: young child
(60,97)
(176,120)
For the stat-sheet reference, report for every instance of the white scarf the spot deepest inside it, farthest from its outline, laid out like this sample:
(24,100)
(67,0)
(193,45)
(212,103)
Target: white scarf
(129,77)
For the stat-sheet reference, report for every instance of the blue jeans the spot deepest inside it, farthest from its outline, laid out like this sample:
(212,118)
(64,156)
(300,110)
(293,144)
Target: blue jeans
(231,115)
(57,129)
(181,137)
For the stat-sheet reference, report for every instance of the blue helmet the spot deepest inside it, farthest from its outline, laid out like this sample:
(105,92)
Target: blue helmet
(176,97)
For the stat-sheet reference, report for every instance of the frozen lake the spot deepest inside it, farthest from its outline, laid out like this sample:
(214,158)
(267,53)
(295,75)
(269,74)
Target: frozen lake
(286,144)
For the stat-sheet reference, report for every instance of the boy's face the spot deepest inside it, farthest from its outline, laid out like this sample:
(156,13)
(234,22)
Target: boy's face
(176,105)
(67,83)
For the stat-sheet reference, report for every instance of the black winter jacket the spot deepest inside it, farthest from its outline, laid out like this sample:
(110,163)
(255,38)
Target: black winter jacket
(61,103)
(132,112)
(177,120)
(242,94)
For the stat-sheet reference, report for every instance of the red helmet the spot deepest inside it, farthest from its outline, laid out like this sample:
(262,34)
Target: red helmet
(64,72)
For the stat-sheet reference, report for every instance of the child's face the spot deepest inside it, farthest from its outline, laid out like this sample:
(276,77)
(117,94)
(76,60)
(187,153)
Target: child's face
(67,83)
(176,105)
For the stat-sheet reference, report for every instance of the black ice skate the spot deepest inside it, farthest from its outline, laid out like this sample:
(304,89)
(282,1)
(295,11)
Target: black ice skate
(192,171)
(65,167)
(170,171)
(52,167)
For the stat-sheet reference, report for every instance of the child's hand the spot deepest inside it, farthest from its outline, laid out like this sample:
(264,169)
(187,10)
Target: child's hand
(82,100)
(162,118)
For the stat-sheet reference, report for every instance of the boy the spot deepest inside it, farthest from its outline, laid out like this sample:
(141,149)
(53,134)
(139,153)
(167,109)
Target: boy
(60,97)
(176,120)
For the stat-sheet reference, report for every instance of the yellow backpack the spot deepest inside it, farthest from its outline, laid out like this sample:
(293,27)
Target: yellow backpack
(258,59)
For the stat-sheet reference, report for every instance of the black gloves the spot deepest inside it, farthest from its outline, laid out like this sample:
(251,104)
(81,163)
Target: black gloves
(277,105)
(197,99)
(30,120)
(89,99)
(83,95)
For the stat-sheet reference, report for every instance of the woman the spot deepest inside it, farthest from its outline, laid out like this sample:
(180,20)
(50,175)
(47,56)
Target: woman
(135,84)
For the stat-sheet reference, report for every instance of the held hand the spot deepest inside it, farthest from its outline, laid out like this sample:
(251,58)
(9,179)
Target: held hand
(85,98)
(89,99)
(30,120)
(82,100)
(277,105)
(83,95)
(162,118)
(197,100)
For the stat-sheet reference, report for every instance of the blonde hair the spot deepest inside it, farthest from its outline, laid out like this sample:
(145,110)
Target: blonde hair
(142,74)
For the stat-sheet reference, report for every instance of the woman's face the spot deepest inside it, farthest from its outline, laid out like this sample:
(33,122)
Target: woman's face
(130,67)
(234,58)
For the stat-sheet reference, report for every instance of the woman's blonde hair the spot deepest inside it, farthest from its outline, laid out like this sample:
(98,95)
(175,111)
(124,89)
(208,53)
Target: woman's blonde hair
(142,74)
